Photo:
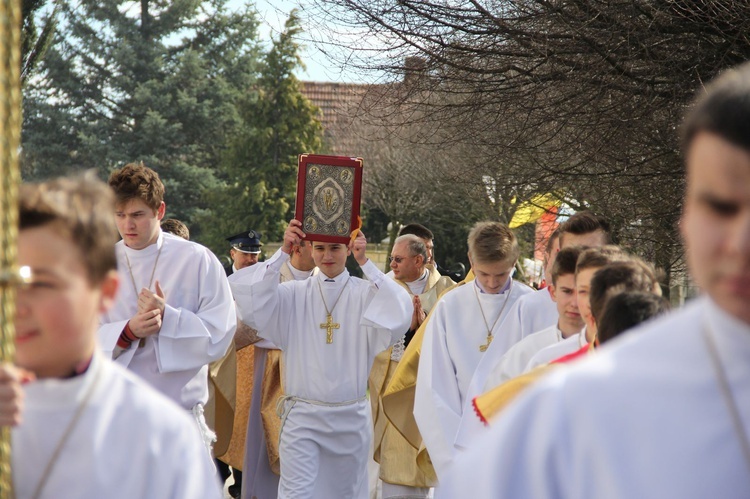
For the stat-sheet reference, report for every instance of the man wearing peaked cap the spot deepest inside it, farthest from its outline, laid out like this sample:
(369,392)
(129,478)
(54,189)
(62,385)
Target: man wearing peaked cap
(245,250)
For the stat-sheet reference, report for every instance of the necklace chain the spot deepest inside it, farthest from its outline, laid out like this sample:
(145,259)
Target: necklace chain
(320,288)
(726,392)
(153,270)
(66,434)
(484,318)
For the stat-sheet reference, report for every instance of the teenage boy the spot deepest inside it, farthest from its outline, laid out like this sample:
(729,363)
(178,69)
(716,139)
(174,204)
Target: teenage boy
(174,313)
(329,328)
(461,327)
(562,290)
(85,420)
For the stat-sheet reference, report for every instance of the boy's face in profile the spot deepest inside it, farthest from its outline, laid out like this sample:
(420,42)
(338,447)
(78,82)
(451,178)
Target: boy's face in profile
(583,284)
(330,258)
(57,315)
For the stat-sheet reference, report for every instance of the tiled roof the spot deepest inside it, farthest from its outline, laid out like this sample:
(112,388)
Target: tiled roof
(339,104)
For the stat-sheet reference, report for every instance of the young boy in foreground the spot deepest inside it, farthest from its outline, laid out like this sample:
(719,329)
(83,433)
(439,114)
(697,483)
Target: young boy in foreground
(84,427)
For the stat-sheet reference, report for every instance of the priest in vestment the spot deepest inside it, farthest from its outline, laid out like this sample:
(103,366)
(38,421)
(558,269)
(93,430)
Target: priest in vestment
(397,457)
(174,313)
(463,323)
(664,410)
(329,328)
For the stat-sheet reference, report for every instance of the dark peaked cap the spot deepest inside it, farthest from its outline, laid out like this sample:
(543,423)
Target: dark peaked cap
(246,242)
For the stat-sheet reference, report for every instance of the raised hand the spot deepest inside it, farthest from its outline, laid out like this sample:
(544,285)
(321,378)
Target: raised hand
(293,236)
(358,247)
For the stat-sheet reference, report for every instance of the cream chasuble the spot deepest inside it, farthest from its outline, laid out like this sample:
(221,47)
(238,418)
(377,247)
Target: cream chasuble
(397,457)
(450,353)
(128,442)
(646,417)
(199,319)
(326,429)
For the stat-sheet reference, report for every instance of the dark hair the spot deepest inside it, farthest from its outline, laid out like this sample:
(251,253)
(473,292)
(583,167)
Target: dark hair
(80,209)
(137,181)
(585,222)
(418,230)
(626,310)
(723,108)
(174,226)
(565,262)
(552,237)
(620,277)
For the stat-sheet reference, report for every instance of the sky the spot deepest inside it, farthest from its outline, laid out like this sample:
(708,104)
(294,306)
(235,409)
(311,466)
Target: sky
(273,14)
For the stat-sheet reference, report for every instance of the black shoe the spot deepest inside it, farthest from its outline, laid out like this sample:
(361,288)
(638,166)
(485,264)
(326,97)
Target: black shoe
(235,490)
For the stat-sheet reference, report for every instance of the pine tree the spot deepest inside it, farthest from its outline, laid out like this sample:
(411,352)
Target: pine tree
(154,81)
(260,167)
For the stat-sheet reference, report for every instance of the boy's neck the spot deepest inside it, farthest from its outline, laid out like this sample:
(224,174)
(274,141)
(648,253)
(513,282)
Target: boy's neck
(77,368)
(567,331)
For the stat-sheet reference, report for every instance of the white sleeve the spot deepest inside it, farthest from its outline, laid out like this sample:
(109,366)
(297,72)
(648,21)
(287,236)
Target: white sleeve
(437,400)
(264,304)
(525,453)
(390,309)
(191,339)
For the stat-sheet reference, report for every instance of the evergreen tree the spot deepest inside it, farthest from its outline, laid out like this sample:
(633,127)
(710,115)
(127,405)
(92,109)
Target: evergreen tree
(154,81)
(260,168)
(35,41)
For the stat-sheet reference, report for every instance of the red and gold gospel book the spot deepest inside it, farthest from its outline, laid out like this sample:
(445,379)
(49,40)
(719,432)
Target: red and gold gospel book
(329,190)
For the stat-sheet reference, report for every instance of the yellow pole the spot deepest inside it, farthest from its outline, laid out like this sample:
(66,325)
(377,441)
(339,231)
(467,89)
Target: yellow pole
(10,177)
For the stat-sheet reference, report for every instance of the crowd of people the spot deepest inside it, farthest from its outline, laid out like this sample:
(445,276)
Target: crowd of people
(146,369)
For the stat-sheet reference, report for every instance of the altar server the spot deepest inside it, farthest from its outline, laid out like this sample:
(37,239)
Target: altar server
(329,328)
(663,411)
(461,327)
(85,427)
(174,313)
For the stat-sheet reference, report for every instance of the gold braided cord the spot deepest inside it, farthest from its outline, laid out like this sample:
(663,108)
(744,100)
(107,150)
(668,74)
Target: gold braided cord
(10,177)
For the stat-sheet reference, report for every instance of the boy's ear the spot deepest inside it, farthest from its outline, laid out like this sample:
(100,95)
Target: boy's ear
(161,210)
(551,290)
(109,286)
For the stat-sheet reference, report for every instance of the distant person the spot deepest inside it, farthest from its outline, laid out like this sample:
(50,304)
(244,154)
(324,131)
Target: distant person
(174,226)
(398,459)
(244,250)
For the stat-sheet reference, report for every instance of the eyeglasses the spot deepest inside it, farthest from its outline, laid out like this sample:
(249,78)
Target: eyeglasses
(397,259)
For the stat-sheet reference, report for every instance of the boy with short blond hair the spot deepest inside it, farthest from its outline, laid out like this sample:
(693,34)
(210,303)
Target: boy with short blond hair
(85,420)
(461,327)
